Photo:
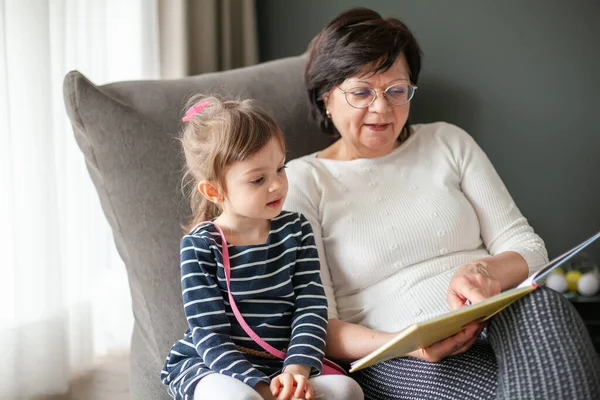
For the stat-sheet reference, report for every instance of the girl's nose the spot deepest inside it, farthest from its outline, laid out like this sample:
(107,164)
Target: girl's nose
(276,184)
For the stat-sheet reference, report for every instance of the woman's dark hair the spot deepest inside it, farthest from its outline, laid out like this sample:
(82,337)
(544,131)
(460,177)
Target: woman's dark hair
(354,39)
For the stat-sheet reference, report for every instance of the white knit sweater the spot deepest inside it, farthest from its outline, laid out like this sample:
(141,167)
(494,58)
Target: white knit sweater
(392,230)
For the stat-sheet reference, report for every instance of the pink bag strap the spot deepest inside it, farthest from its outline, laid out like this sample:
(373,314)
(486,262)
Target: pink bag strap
(329,367)
(236,311)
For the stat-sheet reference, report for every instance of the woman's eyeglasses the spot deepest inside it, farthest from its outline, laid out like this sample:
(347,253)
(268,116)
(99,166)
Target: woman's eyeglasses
(362,97)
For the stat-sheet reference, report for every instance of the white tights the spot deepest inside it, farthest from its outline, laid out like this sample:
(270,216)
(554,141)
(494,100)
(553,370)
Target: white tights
(325,387)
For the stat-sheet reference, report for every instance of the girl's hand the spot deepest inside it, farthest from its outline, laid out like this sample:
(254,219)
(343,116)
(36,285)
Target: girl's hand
(472,282)
(293,384)
(451,346)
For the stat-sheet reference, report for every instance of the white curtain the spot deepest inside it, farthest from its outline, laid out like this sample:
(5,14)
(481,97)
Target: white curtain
(64,298)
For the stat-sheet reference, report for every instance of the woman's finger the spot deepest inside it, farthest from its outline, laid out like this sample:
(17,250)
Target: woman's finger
(455,301)
(442,349)
(474,294)
(472,338)
(480,329)
(462,289)
(467,289)
(473,283)
(465,347)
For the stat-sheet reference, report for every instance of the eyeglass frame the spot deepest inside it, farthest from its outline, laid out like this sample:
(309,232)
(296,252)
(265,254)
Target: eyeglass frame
(377,94)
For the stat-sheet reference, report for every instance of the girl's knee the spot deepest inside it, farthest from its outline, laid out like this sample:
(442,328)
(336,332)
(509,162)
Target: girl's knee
(353,389)
(336,387)
(215,386)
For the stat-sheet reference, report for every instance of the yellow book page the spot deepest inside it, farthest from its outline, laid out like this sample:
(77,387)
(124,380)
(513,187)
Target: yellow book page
(426,333)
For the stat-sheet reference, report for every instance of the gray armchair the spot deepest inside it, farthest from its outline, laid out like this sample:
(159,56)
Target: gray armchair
(127,132)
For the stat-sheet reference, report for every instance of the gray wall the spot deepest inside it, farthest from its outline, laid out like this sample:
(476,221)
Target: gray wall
(522,77)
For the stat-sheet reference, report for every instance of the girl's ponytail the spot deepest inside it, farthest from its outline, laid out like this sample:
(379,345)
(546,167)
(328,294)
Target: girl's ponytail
(216,133)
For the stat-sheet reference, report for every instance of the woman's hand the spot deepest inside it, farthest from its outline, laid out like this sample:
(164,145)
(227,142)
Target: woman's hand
(293,383)
(451,346)
(472,282)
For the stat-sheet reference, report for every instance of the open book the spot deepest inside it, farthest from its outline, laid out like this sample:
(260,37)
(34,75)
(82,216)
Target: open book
(426,333)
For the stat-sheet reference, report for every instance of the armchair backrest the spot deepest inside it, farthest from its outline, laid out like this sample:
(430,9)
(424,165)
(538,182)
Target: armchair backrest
(127,132)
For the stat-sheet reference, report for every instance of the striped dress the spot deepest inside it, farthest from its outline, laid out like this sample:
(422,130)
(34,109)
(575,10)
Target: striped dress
(277,288)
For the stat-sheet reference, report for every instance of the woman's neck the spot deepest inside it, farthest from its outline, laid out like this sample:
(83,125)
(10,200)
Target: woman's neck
(342,151)
(241,231)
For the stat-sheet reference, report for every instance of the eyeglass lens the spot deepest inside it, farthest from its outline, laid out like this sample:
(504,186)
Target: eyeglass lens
(362,97)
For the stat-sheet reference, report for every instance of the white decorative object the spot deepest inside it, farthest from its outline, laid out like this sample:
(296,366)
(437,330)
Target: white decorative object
(589,283)
(556,281)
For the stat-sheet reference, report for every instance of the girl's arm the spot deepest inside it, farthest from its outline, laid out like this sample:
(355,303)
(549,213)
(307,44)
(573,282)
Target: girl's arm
(309,320)
(205,312)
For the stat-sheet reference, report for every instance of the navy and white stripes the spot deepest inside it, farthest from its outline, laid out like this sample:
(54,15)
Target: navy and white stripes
(278,290)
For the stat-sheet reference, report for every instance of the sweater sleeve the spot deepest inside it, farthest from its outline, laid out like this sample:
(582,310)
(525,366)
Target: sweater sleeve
(304,197)
(309,320)
(503,227)
(205,312)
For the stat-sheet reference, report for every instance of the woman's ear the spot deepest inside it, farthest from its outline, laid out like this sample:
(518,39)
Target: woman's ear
(211,191)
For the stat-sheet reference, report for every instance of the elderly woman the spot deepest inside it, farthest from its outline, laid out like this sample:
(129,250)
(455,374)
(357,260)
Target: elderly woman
(412,221)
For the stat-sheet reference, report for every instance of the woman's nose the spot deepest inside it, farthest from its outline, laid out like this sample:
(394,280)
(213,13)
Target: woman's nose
(380,104)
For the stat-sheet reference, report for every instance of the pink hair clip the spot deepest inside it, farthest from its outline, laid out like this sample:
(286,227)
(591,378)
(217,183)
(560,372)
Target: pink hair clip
(195,110)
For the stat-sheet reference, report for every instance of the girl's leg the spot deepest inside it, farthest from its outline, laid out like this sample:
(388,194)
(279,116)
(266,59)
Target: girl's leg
(336,387)
(218,386)
(470,375)
(543,350)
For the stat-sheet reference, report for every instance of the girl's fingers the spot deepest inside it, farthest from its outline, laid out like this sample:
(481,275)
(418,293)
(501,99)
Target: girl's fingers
(310,394)
(287,380)
(275,386)
(300,386)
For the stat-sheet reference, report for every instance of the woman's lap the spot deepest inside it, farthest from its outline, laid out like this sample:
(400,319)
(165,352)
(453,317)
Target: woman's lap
(543,350)
(536,348)
(471,375)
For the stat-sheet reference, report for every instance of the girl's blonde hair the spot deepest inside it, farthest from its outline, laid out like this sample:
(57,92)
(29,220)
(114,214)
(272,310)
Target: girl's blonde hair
(221,133)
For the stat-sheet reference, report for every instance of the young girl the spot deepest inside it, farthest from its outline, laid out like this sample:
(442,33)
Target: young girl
(235,157)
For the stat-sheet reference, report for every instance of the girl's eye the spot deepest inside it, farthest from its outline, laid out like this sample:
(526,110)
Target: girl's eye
(281,169)
(258,181)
